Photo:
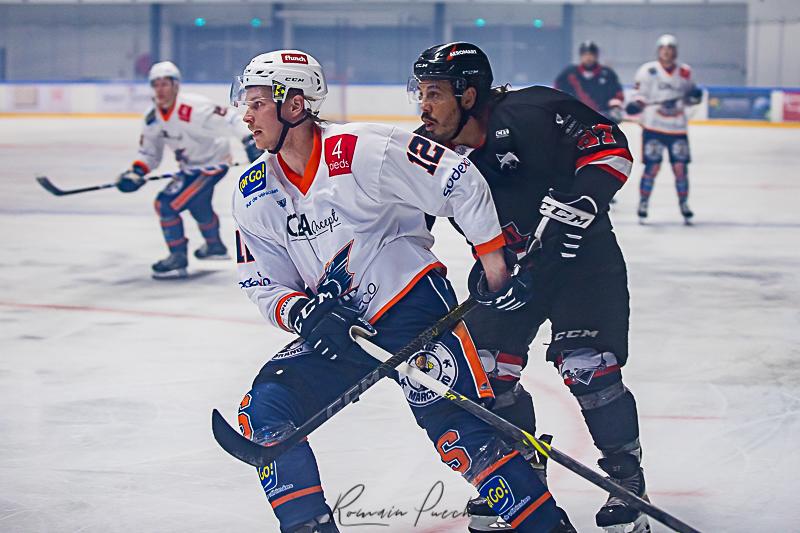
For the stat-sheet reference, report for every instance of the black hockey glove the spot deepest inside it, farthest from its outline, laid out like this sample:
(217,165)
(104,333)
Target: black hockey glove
(517,292)
(324,322)
(251,149)
(634,108)
(565,217)
(694,95)
(131,180)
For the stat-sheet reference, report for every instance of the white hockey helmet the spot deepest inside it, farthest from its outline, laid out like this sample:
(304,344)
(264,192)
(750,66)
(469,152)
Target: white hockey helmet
(283,70)
(164,69)
(667,40)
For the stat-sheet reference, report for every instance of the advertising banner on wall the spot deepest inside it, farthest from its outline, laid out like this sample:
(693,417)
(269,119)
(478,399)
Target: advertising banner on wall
(738,103)
(791,106)
(123,98)
(37,98)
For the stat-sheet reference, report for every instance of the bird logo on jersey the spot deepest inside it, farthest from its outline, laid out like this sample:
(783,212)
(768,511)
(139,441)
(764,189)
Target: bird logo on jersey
(337,279)
(509,159)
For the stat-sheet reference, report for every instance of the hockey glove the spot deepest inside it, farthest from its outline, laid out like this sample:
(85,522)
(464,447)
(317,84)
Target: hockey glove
(324,322)
(634,108)
(694,95)
(131,180)
(565,217)
(517,292)
(251,149)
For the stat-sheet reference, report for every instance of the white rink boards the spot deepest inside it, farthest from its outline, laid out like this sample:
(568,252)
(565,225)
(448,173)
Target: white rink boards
(107,378)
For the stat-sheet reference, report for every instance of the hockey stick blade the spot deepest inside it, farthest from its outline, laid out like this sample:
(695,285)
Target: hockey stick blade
(257,455)
(525,440)
(48,185)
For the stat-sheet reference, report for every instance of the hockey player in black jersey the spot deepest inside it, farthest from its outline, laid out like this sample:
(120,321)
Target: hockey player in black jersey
(553,165)
(594,84)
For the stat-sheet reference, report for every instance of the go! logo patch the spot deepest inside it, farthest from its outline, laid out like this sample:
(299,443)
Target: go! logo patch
(268,474)
(498,495)
(253,180)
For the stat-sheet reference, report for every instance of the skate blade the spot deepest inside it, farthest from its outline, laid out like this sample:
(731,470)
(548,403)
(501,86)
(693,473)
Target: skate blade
(688,222)
(224,257)
(179,273)
(481,524)
(640,525)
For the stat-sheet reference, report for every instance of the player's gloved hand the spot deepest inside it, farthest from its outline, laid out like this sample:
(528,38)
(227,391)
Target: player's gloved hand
(131,180)
(516,293)
(634,108)
(565,219)
(251,149)
(325,321)
(615,114)
(694,95)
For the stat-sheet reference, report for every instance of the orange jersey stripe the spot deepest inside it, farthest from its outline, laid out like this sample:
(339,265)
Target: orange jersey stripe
(278,310)
(297,494)
(184,197)
(490,246)
(503,460)
(531,508)
(399,295)
(482,385)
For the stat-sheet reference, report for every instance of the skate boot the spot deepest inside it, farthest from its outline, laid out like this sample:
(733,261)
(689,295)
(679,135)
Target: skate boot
(616,516)
(214,250)
(482,519)
(642,211)
(174,266)
(321,524)
(686,212)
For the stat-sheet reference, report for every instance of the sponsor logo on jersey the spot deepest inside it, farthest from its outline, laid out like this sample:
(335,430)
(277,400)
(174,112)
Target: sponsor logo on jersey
(438,363)
(575,334)
(455,175)
(299,227)
(339,151)
(253,180)
(296,348)
(499,134)
(295,58)
(498,495)
(268,474)
(509,159)
(259,281)
(184,112)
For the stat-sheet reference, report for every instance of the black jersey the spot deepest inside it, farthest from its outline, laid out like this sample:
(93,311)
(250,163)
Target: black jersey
(598,87)
(540,138)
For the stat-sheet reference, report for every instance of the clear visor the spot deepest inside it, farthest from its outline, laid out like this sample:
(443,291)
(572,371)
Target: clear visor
(238,93)
(430,88)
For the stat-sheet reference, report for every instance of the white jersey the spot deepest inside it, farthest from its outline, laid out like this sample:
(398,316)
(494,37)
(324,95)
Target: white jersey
(356,217)
(195,129)
(654,84)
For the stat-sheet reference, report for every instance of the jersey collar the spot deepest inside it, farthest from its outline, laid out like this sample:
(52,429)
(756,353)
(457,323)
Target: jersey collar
(303,183)
(168,113)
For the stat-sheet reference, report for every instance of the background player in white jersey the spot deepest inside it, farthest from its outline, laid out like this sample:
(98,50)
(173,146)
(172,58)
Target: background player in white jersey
(332,235)
(663,90)
(197,131)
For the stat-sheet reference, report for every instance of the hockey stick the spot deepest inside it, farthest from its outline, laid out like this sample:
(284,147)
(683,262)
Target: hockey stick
(523,438)
(48,185)
(258,455)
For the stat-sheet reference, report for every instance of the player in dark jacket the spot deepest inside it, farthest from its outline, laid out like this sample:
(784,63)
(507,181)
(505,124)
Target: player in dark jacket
(594,84)
(553,165)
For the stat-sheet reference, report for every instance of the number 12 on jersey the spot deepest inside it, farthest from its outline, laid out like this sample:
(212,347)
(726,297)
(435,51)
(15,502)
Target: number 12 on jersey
(424,153)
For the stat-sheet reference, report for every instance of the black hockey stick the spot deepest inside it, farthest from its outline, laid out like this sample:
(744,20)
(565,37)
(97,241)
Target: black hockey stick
(48,185)
(258,455)
(523,439)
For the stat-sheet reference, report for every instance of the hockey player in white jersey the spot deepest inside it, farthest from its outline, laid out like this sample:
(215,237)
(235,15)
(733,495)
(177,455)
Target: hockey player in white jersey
(663,90)
(197,131)
(331,235)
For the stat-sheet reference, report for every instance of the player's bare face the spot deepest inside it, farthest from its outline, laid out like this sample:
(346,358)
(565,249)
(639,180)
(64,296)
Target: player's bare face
(261,117)
(165,91)
(588,60)
(440,111)
(667,55)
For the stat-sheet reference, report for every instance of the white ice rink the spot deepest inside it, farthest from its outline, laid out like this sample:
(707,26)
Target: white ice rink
(108,378)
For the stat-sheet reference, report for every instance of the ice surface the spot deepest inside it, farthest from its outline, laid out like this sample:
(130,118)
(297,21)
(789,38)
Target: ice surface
(107,378)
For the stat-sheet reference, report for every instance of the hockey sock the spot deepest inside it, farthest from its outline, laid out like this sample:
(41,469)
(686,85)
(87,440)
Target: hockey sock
(210,230)
(681,180)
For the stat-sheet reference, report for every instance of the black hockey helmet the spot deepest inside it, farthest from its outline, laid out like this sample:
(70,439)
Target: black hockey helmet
(462,64)
(590,47)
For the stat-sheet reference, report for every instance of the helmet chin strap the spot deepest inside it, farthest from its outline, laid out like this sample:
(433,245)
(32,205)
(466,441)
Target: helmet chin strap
(286,127)
(465,114)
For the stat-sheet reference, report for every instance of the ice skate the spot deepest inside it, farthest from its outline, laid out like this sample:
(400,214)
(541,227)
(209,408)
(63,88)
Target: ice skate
(172,267)
(212,251)
(686,212)
(642,211)
(321,524)
(616,516)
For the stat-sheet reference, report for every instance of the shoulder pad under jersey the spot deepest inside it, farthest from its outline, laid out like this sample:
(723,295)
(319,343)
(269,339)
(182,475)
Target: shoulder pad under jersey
(652,71)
